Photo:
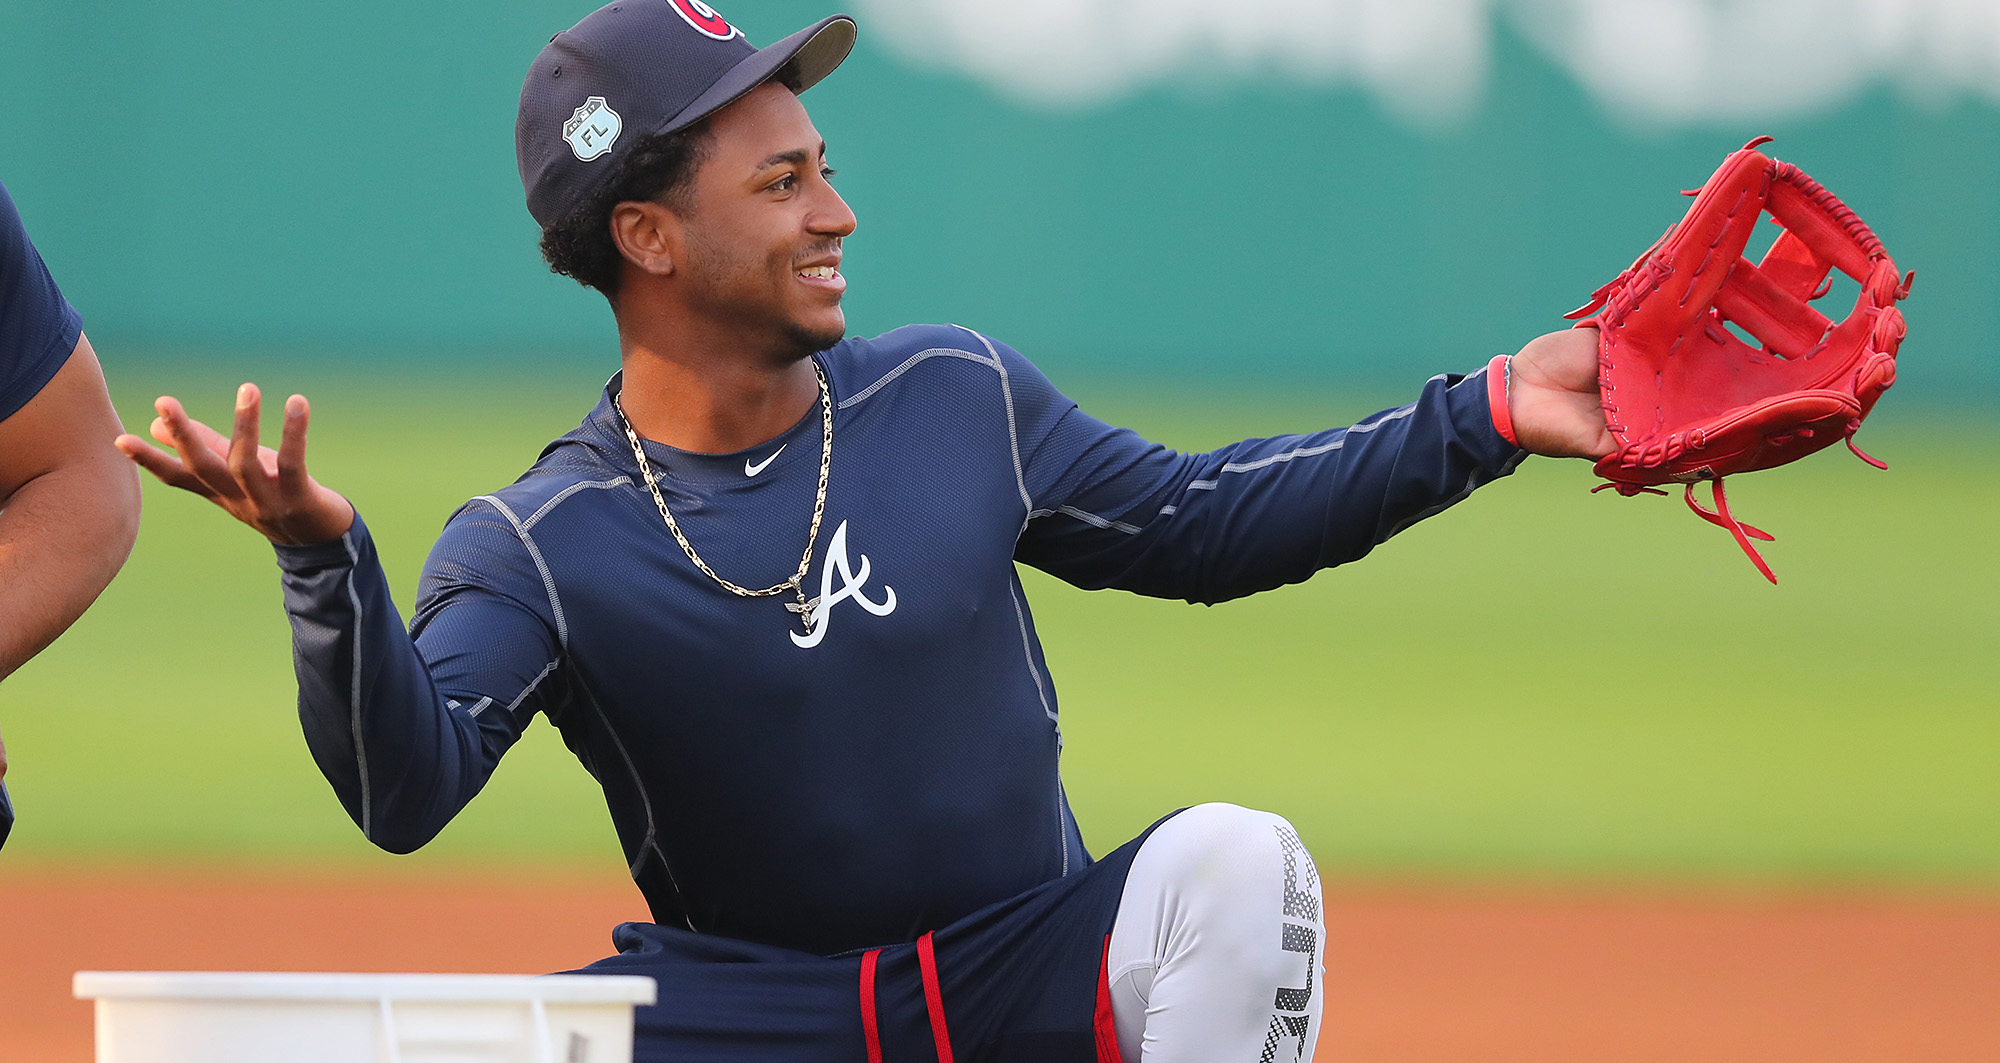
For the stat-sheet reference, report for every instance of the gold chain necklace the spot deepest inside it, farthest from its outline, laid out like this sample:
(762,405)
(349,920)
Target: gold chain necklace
(796,584)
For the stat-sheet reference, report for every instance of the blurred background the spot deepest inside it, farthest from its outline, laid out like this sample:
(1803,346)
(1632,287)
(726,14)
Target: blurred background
(1202,220)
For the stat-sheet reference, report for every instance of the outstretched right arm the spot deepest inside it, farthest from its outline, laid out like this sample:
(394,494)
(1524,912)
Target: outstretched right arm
(406,726)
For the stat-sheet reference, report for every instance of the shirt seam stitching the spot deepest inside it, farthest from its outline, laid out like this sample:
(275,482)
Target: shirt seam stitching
(652,839)
(354,687)
(560,496)
(906,365)
(535,554)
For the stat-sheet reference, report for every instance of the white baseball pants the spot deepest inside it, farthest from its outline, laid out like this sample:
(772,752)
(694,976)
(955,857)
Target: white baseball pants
(1217,953)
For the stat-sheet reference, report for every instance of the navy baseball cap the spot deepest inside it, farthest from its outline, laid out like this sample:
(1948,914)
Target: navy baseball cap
(639,68)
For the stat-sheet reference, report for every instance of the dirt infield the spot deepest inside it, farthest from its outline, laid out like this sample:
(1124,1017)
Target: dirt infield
(1418,974)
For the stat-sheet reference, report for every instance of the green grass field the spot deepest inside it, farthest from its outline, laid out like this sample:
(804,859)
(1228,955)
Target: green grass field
(1539,683)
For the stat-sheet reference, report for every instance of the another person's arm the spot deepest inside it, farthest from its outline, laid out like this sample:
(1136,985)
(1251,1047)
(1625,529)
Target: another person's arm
(406,729)
(69,506)
(1109,509)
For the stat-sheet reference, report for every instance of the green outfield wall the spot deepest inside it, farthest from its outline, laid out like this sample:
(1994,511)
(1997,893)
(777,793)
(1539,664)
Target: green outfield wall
(336,182)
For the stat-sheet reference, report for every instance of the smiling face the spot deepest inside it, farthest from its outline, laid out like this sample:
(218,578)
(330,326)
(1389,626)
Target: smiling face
(761,230)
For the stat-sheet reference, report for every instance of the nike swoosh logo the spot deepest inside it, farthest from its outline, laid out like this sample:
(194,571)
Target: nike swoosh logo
(751,468)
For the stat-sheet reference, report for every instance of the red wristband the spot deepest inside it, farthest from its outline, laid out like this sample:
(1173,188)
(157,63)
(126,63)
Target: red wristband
(1496,396)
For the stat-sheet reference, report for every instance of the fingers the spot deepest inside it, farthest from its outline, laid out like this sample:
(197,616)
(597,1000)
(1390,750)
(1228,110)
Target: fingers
(292,479)
(161,464)
(215,441)
(201,458)
(257,484)
(244,464)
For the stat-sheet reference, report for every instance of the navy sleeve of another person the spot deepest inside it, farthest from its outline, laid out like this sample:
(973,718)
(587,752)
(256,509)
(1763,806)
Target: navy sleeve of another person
(38,328)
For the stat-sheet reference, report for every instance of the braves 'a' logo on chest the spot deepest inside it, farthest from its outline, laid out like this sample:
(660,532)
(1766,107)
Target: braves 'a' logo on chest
(819,611)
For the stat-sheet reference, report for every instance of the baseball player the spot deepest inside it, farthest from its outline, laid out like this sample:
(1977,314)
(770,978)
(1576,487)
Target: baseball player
(69,503)
(766,591)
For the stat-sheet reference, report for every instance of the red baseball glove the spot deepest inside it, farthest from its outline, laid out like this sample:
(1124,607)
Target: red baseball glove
(1685,399)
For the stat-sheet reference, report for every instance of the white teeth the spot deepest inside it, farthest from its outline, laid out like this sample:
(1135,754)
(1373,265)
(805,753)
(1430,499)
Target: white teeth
(825,273)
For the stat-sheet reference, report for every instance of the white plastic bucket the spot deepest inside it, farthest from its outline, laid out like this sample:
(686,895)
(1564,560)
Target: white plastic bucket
(216,1017)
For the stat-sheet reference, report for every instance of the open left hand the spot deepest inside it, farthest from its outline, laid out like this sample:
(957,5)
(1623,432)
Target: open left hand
(1553,399)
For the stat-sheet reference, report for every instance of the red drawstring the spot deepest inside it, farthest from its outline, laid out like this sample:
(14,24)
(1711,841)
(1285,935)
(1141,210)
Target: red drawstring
(934,997)
(869,1032)
(933,1001)
(1106,1024)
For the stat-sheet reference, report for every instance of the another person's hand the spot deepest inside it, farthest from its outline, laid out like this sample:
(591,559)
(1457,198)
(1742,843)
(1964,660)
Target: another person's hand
(1553,399)
(267,489)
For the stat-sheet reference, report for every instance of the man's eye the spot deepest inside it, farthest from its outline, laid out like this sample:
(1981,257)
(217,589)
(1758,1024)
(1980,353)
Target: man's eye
(827,172)
(784,184)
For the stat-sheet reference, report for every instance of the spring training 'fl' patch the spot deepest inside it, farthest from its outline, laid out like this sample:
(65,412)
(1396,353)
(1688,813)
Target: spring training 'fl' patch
(703,17)
(592,128)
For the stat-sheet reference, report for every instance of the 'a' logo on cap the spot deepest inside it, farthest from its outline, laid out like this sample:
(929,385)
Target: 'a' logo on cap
(703,17)
(592,128)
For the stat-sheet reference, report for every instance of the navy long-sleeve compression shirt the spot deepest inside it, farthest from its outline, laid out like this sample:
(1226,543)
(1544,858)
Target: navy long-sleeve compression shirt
(896,767)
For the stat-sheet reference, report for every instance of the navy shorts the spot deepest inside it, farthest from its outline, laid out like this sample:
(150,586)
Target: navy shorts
(1020,981)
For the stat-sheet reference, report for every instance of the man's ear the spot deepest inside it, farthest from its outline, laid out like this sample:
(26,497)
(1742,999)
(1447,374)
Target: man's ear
(649,235)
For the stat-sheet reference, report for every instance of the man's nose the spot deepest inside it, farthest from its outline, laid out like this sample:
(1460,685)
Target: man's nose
(831,217)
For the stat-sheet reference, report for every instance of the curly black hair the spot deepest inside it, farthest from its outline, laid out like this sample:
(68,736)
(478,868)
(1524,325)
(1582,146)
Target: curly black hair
(659,169)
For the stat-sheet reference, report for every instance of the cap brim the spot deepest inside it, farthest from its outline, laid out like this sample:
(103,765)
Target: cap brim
(814,52)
